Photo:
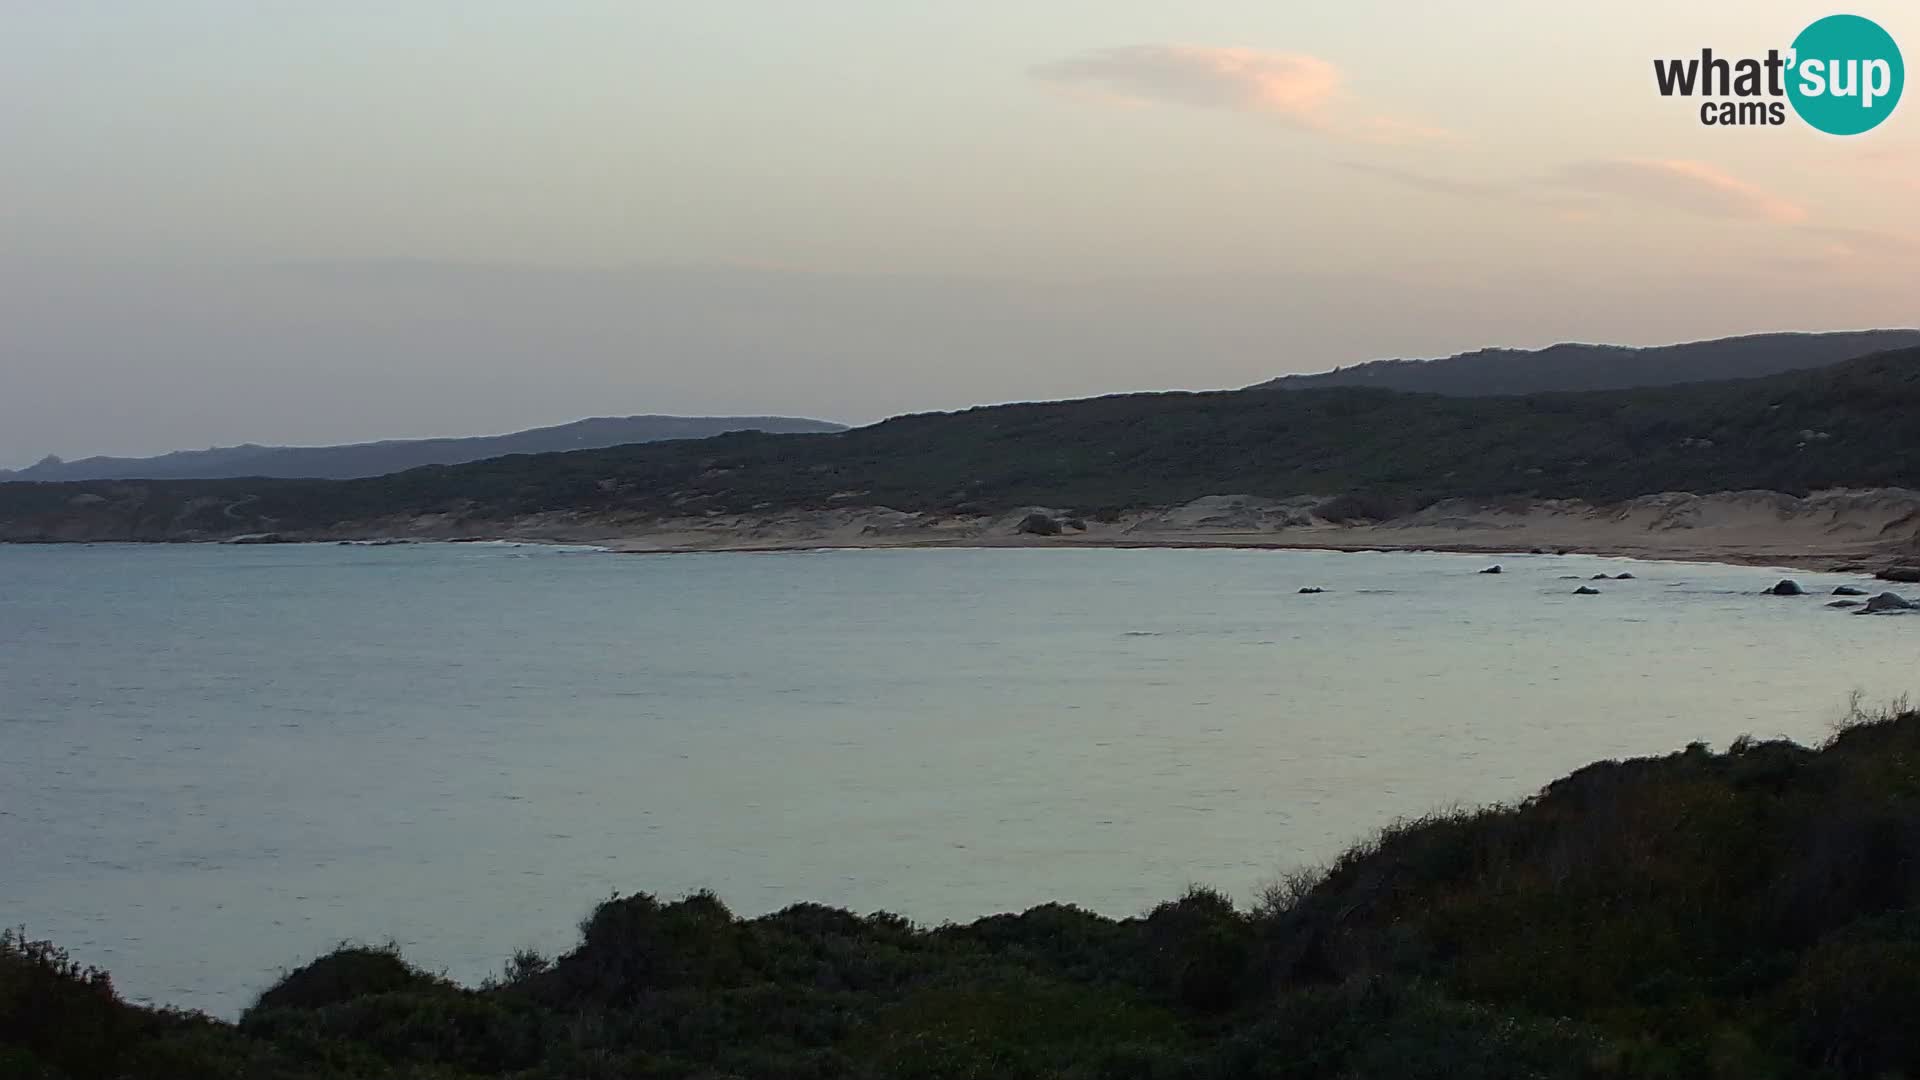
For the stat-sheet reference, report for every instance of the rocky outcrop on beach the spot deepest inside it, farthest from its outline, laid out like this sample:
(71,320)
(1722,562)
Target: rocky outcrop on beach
(1038,525)
(1886,603)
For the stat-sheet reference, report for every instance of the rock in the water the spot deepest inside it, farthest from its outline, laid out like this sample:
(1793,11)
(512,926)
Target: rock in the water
(1586,590)
(1601,577)
(1311,589)
(1786,587)
(1848,590)
(1494,569)
(1908,574)
(1623,577)
(1844,603)
(1038,525)
(1887,602)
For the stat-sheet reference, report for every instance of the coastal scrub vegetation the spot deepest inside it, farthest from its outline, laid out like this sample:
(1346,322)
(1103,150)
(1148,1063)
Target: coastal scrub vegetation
(1850,425)
(1748,913)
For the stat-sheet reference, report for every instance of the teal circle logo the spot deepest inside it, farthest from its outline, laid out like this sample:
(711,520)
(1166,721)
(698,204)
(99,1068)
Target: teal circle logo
(1847,75)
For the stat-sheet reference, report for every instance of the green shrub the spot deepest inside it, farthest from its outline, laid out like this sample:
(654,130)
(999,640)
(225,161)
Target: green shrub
(1856,1001)
(58,1016)
(348,972)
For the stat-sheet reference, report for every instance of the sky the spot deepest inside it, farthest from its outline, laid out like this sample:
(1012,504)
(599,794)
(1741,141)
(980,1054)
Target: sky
(226,221)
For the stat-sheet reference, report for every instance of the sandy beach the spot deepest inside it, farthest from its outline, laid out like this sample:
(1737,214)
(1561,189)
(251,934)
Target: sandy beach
(1871,529)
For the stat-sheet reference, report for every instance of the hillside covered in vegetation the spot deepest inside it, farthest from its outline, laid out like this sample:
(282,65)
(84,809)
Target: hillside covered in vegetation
(1855,424)
(1747,914)
(1571,366)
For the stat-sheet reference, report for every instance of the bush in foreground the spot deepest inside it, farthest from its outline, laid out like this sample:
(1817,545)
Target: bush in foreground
(1751,913)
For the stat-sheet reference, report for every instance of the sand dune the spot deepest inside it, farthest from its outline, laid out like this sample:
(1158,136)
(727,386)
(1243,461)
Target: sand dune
(1874,528)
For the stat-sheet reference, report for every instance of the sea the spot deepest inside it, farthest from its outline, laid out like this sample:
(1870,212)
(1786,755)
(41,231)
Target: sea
(217,762)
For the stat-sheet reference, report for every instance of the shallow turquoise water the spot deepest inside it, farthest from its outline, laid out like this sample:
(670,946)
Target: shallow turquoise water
(218,761)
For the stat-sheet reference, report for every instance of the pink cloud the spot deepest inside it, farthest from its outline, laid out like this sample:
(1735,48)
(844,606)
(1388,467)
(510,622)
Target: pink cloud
(1305,91)
(1691,186)
(1846,242)
(1575,190)
(1444,185)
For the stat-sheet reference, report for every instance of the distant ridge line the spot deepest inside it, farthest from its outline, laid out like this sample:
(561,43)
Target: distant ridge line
(356,460)
(1572,366)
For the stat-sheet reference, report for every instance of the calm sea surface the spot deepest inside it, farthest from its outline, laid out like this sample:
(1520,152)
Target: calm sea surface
(216,762)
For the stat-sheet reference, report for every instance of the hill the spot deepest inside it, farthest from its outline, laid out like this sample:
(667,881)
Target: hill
(1855,424)
(1752,913)
(393,455)
(1570,367)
